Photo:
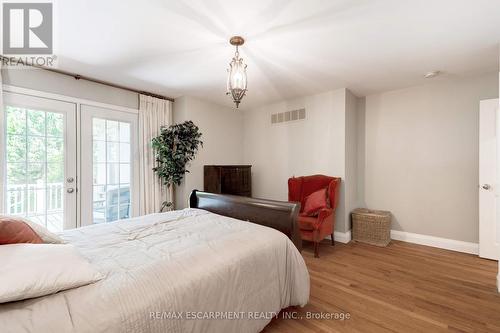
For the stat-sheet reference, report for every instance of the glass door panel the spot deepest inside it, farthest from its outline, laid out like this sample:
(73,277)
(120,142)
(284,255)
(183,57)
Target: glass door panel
(39,158)
(111,170)
(109,173)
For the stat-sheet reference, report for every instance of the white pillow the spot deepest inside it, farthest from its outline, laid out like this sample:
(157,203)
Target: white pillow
(47,236)
(33,270)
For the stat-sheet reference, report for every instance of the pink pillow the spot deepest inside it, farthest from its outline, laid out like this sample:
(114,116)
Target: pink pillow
(13,231)
(315,201)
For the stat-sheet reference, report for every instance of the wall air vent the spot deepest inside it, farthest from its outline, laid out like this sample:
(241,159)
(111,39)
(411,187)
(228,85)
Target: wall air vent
(293,115)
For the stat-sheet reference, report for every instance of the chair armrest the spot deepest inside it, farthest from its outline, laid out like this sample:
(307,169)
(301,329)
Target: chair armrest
(324,214)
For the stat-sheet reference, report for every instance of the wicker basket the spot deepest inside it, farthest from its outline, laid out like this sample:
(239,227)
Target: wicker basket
(371,226)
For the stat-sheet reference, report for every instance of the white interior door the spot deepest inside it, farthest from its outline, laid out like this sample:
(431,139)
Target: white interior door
(38,160)
(489,189)
(109,165)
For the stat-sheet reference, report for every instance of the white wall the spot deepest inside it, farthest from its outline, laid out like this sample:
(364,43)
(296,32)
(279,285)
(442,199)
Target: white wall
(42,80)
(361,149)
(421,155)
(352,200)
(297,148)
(222,130)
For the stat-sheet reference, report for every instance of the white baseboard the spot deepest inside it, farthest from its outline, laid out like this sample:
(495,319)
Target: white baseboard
(341,237)
(442,243)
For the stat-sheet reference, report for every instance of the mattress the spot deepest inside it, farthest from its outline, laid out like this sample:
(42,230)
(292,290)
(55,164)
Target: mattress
(181,271)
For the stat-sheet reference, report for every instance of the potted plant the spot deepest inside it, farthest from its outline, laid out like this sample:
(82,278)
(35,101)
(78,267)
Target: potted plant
(174,148)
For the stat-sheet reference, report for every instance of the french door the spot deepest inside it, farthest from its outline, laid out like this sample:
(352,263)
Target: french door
(67,164)
(38,160)
(489,189)
(109,165)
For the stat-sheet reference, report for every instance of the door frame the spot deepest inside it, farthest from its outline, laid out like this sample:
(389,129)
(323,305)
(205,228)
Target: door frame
(64,98)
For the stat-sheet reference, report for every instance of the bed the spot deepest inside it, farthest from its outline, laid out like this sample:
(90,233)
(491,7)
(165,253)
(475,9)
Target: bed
(192,270)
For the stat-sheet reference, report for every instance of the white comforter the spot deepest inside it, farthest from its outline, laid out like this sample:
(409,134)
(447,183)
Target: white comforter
(172,272)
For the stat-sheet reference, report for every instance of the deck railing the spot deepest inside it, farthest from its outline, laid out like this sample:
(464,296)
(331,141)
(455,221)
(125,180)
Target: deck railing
(32,198)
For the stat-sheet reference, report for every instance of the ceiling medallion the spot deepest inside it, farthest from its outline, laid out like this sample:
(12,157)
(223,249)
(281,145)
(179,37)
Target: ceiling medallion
(237,73)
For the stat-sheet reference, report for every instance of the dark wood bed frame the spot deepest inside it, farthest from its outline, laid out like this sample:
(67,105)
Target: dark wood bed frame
(278,215)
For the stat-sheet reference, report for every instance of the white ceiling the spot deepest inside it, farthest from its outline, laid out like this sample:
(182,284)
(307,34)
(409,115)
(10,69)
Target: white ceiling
(293,48)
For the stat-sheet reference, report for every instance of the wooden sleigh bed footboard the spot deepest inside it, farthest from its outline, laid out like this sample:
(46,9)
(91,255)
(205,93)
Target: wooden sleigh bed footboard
(278,215)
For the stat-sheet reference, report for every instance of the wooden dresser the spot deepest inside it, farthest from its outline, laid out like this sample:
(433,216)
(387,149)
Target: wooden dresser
(228,179)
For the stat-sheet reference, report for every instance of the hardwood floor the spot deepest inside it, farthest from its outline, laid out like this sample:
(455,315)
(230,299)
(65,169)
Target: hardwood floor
(401,288)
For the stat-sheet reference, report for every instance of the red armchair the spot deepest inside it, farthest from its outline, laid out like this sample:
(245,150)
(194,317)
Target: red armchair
(316,228)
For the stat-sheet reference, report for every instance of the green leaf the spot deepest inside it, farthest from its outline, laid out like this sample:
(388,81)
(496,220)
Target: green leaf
(174,147)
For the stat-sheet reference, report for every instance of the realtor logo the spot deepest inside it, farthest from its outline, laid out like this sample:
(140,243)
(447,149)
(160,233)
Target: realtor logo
(27,28)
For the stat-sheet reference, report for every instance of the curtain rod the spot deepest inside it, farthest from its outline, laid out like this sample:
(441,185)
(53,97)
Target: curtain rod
(87,78)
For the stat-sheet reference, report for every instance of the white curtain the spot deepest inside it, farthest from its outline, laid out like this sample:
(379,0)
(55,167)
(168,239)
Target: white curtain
(153,114)
(2,144)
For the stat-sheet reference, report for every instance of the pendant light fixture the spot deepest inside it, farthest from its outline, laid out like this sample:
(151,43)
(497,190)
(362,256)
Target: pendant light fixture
(237,73)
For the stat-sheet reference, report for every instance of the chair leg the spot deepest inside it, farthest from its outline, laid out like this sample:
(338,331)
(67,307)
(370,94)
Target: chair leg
(333,241)
(316,249)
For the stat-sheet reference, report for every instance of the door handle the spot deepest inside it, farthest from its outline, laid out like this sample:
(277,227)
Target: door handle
(70,190)
(486,187)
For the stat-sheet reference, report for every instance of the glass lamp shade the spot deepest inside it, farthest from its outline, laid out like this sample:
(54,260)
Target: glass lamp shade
(237,79)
